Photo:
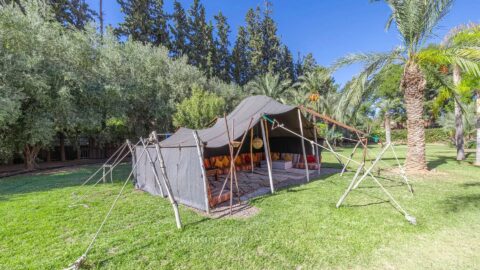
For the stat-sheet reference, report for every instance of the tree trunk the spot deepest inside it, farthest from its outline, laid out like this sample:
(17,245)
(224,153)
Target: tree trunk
(477,156)
(388,129)
(79,152)
(413,84)
(30,154)
(459,142)
(62,147)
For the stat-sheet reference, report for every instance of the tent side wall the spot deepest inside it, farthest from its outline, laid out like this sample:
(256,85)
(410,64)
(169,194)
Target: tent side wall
(183,171)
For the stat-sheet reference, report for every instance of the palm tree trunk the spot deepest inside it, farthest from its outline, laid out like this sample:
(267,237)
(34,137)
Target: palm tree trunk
(477,156)
(413,84)
(388,129)
(459,142)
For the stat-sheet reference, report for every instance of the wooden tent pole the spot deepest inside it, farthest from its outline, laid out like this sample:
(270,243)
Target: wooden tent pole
(251,148)
(352,183)
(232,164)
(367,172)
(267,155)
(317,154)
(236,155)
(351,156)
(152,165)
(307,173)
(166,181)
(200,151)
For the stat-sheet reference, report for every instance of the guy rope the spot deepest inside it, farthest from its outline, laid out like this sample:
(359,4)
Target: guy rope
(354,183)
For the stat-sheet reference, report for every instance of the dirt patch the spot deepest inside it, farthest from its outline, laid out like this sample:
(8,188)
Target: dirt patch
(414,174)
(239,210)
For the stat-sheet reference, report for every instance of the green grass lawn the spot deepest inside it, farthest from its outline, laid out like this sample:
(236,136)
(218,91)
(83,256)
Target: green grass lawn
(297,228)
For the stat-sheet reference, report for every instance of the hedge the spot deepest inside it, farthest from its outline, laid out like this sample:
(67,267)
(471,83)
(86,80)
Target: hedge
(432,135)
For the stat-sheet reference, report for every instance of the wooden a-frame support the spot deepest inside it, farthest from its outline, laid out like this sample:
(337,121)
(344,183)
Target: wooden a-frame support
(166,181)
(354,181)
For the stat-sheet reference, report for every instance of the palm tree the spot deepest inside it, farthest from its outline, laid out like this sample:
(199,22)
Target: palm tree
(387,110)
(415,21)
(270,85)
(318,82)
(464,35)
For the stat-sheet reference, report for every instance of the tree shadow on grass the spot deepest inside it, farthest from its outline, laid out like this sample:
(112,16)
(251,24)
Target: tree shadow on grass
(364,204)
(55,180)
(440,160)
(470,184)
(455,204)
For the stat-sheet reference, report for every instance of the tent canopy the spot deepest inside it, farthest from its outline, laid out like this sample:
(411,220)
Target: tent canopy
(181,154)
(244,117)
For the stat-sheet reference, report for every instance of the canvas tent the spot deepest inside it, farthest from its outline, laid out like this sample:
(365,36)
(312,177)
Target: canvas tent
(180,152)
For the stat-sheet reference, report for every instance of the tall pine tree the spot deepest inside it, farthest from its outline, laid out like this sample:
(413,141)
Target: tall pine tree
(286,65)
(255,42)
(145,21)
(74,13)
(179,30)
(271,42)
(240,61)
(197,24)
(212,57)
(223,68)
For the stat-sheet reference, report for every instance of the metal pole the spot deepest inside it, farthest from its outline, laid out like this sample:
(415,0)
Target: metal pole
(202,166)
(167,182)
(267,155)
(307,173)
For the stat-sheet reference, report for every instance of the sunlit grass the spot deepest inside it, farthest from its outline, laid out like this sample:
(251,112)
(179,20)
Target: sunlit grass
(296,227)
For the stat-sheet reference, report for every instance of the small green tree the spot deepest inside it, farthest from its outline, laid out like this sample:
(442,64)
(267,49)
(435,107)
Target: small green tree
(198,110)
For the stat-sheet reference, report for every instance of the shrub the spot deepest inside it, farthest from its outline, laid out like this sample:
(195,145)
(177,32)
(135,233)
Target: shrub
(432,135)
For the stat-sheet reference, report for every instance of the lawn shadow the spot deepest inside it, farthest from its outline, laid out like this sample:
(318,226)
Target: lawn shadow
(440,160)
(455,204)
(470,184)
(56,179)
(365,204)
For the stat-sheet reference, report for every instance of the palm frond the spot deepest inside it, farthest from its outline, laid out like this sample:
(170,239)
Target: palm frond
(417,19)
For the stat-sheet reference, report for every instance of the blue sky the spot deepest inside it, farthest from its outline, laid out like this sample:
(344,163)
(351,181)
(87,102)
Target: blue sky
(327,28)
